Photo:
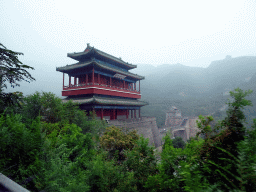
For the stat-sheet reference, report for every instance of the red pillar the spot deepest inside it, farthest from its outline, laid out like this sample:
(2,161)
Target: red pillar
(110,82)
(127,113)
(69,84)
(92,76)
(111,114)
(114,114)
(101,113)
(86,79)
(63,79)
(123,84)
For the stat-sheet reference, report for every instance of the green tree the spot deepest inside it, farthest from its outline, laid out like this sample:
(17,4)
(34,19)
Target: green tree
(20,147)
(179,169)
(12,70)
(141,160)
(178,143)
(219,151)
(115,141)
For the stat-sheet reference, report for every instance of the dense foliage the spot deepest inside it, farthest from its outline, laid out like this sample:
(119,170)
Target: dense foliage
(178,142)
(49,145)
(54,146)
(12,70)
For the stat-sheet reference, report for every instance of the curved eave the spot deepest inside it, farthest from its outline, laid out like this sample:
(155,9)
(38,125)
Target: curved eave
(103,54)
(120,102)
(76,66)
(101,101)
(77,56)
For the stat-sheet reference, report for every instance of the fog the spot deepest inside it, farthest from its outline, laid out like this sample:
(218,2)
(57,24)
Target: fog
(193,33)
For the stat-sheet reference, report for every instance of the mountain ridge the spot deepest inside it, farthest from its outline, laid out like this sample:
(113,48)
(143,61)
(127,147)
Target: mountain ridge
(167,84)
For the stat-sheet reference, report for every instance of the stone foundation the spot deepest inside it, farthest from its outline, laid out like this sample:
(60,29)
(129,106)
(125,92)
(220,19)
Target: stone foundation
(145,126)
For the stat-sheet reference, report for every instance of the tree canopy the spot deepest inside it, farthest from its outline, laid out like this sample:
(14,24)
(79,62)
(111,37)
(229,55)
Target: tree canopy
(12,71)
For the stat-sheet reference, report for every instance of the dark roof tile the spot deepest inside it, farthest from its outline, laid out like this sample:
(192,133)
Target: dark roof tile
(106,101)
(80,65)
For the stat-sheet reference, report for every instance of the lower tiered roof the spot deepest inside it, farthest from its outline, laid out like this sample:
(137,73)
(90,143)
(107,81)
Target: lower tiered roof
(106,101)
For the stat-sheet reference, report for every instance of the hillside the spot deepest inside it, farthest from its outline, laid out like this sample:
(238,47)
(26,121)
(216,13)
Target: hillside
(196,90)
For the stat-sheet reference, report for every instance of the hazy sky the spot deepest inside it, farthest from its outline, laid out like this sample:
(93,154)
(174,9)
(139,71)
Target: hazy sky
(192,33)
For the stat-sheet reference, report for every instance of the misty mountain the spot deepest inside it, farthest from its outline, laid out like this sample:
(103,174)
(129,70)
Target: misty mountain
(195,90)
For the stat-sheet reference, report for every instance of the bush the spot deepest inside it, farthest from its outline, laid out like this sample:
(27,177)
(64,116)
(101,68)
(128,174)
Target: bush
(20,147)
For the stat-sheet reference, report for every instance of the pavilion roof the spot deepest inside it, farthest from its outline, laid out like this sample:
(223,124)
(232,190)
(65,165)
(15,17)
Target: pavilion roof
(89,50)
(106,101)
(99,64)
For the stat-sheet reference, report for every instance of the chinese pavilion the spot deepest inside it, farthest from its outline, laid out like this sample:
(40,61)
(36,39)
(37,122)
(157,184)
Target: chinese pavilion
(102,83)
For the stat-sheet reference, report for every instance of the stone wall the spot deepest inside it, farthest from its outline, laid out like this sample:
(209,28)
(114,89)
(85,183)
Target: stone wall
(193,127)
(145,126)
(187,130)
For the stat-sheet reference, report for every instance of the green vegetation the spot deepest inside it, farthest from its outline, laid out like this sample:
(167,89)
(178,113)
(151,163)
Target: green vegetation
(63,150)
(178,143)
(49,145)
(12,70)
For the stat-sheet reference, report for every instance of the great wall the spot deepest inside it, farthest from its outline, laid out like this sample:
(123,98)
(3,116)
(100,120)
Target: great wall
(145,126)
(178,126)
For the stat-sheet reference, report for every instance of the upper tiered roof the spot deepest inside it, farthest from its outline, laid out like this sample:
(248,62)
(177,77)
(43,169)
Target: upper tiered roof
(99,64)
(90,52)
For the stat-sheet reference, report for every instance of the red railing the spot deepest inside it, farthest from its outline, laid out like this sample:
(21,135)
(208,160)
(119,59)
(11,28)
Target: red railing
(84,85)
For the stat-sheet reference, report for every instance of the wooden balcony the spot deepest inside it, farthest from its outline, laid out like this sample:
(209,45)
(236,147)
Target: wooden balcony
(90,88)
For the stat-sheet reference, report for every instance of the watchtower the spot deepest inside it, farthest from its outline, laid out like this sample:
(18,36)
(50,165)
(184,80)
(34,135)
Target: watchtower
(102,83)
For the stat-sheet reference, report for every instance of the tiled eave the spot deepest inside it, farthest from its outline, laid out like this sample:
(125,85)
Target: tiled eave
(107,101)
(67,68)
(92,49)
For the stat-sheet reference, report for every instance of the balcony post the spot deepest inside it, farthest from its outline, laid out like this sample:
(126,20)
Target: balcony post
(101,113)
(110,82)
(69,84)
(114,114)
(127,113)
(92,76)
(63,79)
